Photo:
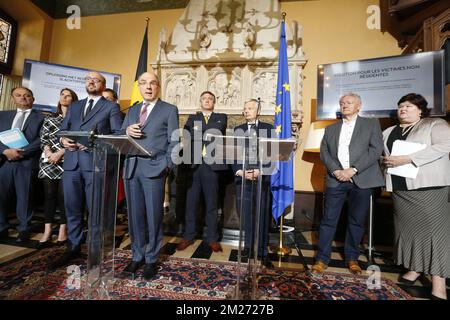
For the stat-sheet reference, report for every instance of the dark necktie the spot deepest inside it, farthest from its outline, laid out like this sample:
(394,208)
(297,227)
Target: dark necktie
(143,116)
(20,120)
(89,107)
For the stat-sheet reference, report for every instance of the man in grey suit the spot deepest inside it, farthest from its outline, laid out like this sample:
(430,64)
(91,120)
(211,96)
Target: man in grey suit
(151,123)
(350,150)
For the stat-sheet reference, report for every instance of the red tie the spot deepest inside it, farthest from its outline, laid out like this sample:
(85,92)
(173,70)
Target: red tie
(143,115)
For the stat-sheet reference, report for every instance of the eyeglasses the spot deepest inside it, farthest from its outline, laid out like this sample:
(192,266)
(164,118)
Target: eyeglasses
(144,83)
(95,80)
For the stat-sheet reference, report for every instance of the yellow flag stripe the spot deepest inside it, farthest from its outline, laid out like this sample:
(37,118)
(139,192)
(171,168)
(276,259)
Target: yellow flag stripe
(135,94)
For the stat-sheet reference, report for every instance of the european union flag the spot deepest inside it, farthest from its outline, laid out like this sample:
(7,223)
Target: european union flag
(282,181)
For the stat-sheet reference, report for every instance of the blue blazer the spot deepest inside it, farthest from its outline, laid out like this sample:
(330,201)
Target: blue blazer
(158,128)
(104,117)
(31,130)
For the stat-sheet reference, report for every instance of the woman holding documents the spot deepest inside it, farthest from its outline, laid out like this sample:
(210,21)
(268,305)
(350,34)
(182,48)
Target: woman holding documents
(418,175)
(50,168)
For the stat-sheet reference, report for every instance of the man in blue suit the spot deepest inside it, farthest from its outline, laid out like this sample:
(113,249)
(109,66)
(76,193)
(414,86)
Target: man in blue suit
(93,113)
(152,123)
(17,166)
(204,174)
(254,128)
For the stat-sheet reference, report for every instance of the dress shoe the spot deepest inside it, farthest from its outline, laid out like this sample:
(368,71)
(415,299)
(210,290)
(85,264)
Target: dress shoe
(23,236)
(354,267)
(4,233)
(266,262)
(433,297)
(319,267)
(61,243)
(64,259)
(150,270)
(407,281)
(215,246)
(45,244)
(184,244)
(133,266)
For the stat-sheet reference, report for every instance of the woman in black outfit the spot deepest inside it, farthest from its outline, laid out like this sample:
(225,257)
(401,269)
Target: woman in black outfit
(50,168)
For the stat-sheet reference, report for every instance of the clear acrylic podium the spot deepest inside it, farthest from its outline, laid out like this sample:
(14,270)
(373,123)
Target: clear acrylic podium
(106,151)
(252,152)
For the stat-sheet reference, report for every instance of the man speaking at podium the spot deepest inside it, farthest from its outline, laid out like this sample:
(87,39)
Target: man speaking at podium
(94,113)
(152,122)
(257,129)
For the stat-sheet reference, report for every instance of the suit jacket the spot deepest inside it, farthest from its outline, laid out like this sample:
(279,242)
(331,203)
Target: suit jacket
(31,130)
(158,128)
(262,130)
(217,122)
(433,161)
(104,117)
(366,147)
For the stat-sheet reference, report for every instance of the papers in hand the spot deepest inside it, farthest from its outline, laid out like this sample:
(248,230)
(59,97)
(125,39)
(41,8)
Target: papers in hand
(402,148)
(13,139)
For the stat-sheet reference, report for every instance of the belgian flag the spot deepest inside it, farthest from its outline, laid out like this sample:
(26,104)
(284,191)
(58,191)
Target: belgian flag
(141,68)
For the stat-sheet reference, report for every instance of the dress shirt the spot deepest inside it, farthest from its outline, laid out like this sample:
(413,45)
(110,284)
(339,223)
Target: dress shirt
(249,125)
(94,103)
(26,112)
(150,105)
(344,142)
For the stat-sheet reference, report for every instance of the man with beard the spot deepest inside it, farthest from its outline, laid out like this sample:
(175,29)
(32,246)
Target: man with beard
(93,113)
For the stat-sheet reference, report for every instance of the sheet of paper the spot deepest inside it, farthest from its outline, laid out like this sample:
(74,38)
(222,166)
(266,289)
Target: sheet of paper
(402,148)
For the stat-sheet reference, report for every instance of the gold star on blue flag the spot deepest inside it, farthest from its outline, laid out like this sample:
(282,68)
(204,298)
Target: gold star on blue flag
(282,181)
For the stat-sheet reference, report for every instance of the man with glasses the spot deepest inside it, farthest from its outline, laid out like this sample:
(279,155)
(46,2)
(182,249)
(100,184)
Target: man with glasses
(92,113)
(152,123)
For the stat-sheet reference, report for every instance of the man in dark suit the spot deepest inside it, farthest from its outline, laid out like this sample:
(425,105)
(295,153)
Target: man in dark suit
(17,166)
(350,150)
(204,174)
(253,128)
(93,113)
(152,122)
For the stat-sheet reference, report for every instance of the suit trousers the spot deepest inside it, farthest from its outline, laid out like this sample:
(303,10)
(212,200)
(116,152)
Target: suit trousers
(78,190)
(54,197)
(249,208)
(358,205)
(145,197)
(15,178)
(202,179)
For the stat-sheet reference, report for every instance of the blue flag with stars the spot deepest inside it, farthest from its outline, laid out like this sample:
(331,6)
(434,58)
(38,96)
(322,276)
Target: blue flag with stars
(282,180)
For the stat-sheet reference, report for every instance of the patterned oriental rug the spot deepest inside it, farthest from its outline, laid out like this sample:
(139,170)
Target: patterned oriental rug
(184,279)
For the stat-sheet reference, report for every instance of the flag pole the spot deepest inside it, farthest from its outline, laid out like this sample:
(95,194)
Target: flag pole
(280,250)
